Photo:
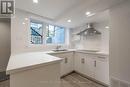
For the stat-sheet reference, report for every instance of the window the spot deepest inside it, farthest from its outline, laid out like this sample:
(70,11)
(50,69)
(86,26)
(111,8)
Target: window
(36,33)
(52,35)
(55,35)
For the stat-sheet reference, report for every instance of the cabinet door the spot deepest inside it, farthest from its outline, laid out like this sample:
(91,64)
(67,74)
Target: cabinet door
(69,62)
(79,62)
(63,64)
(102,70)
(89,65)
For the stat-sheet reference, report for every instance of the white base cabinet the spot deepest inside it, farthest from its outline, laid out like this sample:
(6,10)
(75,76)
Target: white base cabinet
(67,62)
(43,76)
(79,61)
(102,70)
(91,65)
(94,66)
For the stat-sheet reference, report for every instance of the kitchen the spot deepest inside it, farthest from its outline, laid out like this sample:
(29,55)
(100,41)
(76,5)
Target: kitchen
(69,44)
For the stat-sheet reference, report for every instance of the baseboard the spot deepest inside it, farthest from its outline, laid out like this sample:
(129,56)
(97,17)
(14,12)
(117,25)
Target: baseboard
(115,82)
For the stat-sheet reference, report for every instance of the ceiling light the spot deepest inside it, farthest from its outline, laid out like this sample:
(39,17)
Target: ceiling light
(69,21)
(26,19)
(88,13)
(107,27)
(91,15)
(35,1)
(23,23)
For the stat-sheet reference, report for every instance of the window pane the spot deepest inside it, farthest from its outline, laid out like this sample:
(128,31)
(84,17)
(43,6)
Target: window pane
(36,33)
(55,35)
(59,35)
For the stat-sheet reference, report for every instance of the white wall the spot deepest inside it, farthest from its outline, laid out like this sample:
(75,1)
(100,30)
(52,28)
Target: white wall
(4,43)
(120,42)
(20,33)
(96,42)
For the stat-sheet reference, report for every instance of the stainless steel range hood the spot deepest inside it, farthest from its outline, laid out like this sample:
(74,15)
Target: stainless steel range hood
(90,30)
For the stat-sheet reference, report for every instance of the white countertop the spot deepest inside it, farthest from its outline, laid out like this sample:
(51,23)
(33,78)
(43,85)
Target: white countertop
(55,52)
(78,50)
(26,61)
(96,53)
(21,62)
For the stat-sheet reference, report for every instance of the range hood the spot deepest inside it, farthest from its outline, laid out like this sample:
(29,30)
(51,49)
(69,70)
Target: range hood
(90,30)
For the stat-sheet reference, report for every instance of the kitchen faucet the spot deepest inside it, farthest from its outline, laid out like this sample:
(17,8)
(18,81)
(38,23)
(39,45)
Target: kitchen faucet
(58,47)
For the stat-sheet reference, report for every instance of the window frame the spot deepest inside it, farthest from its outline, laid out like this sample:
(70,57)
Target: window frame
(44,32)
(51,44)
(38,22)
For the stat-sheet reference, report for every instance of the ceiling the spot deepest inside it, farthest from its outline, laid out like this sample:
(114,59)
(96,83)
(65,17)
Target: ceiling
(61,10)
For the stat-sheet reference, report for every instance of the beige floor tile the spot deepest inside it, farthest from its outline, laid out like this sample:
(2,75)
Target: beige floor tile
(73,80)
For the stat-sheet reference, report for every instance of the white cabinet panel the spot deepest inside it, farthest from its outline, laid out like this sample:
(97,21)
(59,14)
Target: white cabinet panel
(90,66)
(79,62)
(67,62)
(94,66)
(102,70)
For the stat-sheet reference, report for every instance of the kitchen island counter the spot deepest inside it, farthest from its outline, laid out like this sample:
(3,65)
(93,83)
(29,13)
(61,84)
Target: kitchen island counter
(35,69)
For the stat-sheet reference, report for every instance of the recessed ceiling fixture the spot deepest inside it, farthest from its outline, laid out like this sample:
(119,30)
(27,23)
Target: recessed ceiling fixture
(23,23)
(89,14)
(35,1)
(69,21)
(26,18)
(107,27)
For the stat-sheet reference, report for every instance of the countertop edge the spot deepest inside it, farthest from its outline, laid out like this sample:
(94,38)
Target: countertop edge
(15,70)
(31,67)
(98,53)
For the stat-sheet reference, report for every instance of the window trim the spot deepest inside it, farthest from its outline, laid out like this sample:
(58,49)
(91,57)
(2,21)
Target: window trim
(39,22)
(54,44)
(44,32)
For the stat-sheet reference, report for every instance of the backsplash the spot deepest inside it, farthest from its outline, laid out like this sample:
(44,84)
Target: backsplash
(95,42)
(20,41)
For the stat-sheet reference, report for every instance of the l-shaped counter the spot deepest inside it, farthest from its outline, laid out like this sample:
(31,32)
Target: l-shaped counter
(37,69)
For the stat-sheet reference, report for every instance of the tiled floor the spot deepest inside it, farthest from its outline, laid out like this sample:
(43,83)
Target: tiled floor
(4,83)
(73,80)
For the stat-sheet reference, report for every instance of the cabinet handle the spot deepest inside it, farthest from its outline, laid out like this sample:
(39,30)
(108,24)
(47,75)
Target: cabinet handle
(95,63)
(101,57)
(66,60)
(83,60)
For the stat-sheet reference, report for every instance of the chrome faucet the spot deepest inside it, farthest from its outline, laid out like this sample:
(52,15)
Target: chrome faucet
(58,47)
